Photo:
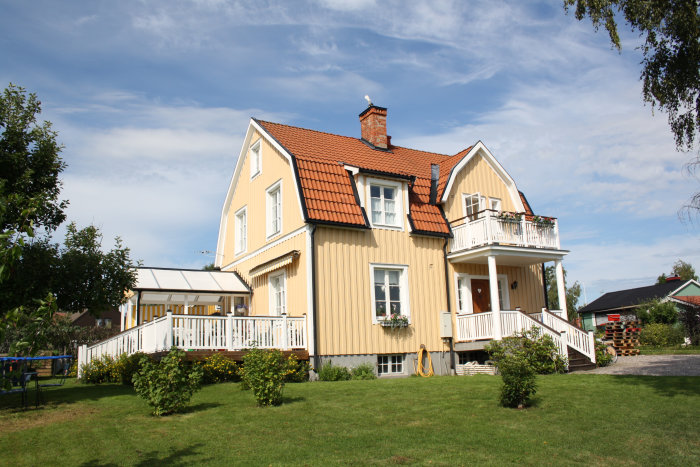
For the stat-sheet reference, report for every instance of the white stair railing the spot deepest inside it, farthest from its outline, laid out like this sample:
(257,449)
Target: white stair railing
(576,338)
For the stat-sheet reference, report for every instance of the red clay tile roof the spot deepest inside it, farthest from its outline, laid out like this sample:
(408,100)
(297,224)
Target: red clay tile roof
(692,299)
(327,187)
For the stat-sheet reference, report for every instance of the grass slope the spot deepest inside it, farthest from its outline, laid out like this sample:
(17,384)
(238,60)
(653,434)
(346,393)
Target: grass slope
(576,419)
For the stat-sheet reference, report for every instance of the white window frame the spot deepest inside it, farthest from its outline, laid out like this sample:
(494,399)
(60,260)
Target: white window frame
(482,203)
(467,307)
(272,298)
(403,284)
(241,234)
(495,204)
(255,155)
(391,362)
(398,202)
(275,187)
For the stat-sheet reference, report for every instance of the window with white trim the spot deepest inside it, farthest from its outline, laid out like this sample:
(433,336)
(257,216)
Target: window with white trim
(389,364)
(472,205)
(385,203)
(495,204)
(255,159)
(278,293)
(241,230)
(389,291)
(274,210)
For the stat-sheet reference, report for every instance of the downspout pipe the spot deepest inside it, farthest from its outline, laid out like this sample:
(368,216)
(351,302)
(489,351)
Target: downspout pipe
(138,308)
(314,308)
(449,302)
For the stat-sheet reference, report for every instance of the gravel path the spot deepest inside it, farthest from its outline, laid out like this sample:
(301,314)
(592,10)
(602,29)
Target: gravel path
(652,365)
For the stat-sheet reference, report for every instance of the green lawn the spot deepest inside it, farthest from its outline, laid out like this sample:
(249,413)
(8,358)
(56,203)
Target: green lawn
(576,419)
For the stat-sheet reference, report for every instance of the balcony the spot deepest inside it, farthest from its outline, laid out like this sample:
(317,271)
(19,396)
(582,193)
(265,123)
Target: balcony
(490,227)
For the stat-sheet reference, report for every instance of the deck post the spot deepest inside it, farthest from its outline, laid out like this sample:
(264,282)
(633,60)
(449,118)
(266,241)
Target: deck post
(495,305)
(561,290)
(487,219)
(591,341)
(168,329)
(229,330)
(285,332)
(523,227)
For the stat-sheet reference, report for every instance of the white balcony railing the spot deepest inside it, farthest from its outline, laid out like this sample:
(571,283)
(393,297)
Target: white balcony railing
(192,332)
(489,229)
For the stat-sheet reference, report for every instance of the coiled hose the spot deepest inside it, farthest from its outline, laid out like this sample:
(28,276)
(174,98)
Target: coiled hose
(420,369)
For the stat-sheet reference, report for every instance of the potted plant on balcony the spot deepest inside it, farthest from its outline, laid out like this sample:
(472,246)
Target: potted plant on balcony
(543,222)
(510,217)
(395,321)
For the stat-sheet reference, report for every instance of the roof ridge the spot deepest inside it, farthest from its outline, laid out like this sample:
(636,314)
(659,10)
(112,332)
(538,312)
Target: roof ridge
(449,156)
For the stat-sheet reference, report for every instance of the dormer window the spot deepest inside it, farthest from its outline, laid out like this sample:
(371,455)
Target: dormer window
(385,203)
(255,160)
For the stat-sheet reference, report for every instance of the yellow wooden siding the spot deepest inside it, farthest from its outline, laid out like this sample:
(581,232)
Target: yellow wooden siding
(295,281)
(477,177)
(529,295)
(252,194)
(150,312)
(343,258)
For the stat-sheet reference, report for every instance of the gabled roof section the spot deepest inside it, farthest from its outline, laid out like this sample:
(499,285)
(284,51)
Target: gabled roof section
(328,190)
(630,298)
(692,300)
(479,149)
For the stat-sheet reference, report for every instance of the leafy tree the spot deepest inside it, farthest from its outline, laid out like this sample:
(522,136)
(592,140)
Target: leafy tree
(681,269)
(671,64)
(573,293)
(89,278)
(657,312)
(31,164)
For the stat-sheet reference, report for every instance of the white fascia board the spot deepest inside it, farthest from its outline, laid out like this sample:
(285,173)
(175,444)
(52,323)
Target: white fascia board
(229,195)
(683,286)
(480,148)
(273,142)
(253,125)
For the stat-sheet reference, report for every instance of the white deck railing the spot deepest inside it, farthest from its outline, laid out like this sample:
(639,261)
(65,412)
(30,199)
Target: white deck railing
(489,229)
(480,326)
(192,332)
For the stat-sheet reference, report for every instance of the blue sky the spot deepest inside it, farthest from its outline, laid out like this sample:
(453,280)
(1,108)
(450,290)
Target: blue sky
(152,99)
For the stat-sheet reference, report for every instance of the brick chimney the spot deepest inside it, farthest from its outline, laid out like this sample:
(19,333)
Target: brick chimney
(373,122)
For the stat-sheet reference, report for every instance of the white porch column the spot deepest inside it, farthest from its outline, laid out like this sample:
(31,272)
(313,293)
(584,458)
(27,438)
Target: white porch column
(495,305)
(168,330)
(561,290)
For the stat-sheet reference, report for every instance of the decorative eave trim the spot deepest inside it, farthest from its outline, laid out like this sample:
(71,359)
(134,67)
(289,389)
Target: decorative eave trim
(480,148)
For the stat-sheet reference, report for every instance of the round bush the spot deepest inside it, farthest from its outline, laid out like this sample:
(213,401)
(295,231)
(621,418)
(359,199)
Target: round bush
(330,372)
(661,335)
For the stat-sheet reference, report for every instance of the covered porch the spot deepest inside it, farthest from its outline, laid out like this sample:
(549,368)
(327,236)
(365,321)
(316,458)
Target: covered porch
(197,311)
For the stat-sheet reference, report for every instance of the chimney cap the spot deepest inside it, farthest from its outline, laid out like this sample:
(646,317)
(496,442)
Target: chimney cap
(372,107)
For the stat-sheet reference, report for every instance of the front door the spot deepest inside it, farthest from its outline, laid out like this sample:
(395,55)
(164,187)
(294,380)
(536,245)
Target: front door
(481,296)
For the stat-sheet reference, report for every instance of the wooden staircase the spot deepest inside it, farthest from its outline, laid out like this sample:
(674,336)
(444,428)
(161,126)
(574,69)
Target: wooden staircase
(578,361)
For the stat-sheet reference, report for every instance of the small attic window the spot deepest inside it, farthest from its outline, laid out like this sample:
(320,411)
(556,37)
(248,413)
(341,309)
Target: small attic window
(386,208)
(255,160)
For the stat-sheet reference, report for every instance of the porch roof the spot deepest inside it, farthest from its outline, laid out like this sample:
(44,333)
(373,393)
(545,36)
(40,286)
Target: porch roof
(164,285)
(507,255)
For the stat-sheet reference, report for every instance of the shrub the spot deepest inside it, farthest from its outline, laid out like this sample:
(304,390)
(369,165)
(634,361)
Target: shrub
(100,370)
(661,335)
(540,352)
(297,370)
(218,369)
(602,357)
(167,386)
(656,312)
(126,366)
(364,371)
(330,372)
(264,372)
(518,380)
